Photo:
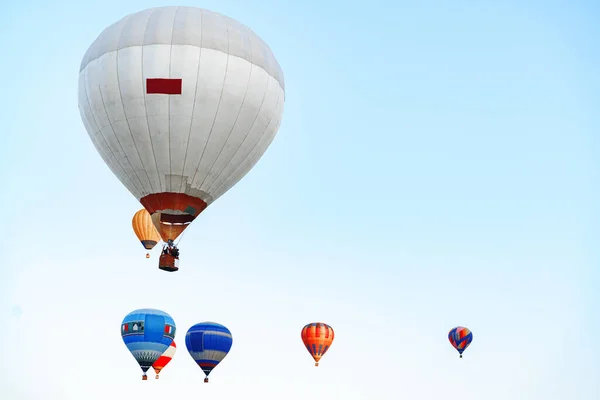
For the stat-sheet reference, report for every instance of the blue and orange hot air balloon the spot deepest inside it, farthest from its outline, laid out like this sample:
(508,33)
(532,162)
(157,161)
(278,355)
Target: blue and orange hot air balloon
(317,337)
(147,333)
(460,338)
(208,343)
(166,358)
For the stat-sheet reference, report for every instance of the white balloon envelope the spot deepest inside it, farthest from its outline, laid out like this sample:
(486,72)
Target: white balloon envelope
(180,103)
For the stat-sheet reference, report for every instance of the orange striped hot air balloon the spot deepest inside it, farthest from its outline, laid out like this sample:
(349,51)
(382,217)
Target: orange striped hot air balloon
(145,230)
(164,359)
(317,338)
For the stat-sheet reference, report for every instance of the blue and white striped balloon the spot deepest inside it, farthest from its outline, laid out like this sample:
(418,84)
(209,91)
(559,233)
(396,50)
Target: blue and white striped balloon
(208,343)
(147,333)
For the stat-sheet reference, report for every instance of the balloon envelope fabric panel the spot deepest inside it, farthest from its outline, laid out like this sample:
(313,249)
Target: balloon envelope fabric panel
(460,338)
(208,343)
(147,333)
(317,337)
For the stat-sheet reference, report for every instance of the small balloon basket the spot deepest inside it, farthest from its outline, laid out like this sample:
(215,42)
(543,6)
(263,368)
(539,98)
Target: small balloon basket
(168,263)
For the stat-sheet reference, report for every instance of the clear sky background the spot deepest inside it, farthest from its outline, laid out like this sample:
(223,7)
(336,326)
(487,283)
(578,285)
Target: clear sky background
(437,165)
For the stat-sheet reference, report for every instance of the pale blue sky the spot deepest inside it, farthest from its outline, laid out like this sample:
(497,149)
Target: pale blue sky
(437,165)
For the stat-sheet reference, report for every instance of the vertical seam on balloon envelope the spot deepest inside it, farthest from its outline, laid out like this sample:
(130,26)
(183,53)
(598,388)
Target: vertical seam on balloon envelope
(144,225)
(244,161)
(145,108)
(170,99)
(135,224)
(126,175)
(250,152)
(249,162)
(218,105)
(209,345)
(194,105)
(208,190)
(99,130)
(128,125)
(234,123)
(247,133)
(119,143)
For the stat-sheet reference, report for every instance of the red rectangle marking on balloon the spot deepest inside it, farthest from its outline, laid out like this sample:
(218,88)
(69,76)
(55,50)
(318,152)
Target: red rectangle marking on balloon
(163,86)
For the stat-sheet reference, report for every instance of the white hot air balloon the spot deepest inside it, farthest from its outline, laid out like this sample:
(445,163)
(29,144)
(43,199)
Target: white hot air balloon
(181,103)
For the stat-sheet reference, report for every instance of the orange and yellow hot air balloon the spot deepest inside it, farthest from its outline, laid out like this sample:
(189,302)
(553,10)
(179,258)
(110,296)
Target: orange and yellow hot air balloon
(145,230)
(317,338)
(164,359)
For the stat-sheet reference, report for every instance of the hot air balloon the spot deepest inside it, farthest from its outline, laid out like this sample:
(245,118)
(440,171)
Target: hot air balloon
(164,359)
(180,103)
(147,333)
(208,343)
(145,230)
(460,338)
(317,338)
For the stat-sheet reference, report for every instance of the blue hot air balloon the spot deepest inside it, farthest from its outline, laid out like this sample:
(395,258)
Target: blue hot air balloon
(208,343)
(147,333)
(460,338)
